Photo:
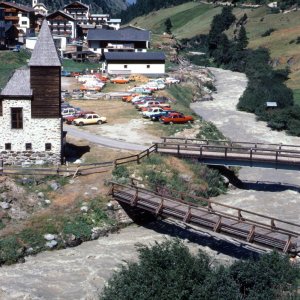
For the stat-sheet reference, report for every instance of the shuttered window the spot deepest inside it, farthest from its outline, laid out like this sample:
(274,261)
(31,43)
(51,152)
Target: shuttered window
(17,118)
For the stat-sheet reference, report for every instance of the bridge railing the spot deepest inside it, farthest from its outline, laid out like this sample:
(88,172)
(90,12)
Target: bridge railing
(231,143)
(230,152)
(257,224)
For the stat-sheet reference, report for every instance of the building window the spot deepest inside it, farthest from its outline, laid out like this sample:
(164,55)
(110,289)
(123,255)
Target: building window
(17,118)
(125,66)
(24,22)
(48,146)
(148,66)
(28,146)
(8,146)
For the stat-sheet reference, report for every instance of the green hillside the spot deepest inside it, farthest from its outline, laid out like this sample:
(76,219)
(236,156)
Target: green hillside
(191,19)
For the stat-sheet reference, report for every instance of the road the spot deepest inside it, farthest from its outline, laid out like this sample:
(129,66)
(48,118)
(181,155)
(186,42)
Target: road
(103,141)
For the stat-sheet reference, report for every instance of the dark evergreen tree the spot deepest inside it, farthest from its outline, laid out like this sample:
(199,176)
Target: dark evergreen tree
(242,39)
(168,25)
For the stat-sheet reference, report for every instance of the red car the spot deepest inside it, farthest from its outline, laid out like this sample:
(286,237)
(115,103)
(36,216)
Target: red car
(176,118)
(70,119)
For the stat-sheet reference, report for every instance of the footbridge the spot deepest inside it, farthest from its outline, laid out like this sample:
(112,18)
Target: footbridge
(238,223)
(228,153)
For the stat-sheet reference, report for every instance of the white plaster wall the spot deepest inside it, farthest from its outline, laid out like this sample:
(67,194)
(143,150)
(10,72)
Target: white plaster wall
(35,131)
(137,68)
(21,19)
(30,43)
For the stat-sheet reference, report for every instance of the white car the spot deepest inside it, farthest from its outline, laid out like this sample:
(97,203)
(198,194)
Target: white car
(171,80)
(152,111)
(90,119)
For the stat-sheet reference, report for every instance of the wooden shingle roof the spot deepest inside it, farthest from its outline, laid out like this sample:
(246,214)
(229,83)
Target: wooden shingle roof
(18,85)
(44,52)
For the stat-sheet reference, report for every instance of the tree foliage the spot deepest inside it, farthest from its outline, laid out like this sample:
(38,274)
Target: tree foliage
(169,271)
(168,25)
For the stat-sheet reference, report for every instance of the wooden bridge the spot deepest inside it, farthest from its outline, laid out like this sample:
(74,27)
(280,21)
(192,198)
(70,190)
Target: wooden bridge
(227,153)
(245,225)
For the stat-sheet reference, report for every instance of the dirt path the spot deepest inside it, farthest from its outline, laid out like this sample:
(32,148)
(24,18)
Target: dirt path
(272,192)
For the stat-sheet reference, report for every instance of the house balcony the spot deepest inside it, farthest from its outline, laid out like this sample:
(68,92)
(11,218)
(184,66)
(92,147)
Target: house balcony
(120,46)
(11,18)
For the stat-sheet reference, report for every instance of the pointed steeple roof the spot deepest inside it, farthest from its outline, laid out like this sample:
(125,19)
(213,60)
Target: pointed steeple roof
(44,52)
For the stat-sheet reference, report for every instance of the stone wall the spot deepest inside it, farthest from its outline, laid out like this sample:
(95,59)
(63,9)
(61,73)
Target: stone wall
(38,132)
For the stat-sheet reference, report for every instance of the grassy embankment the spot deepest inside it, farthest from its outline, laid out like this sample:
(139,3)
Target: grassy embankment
(10,61)
(191,19)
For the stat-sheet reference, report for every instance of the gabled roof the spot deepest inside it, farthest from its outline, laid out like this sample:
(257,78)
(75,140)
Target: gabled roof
(62,13)
(44,52)
(18,85)
(40,4)
(118,35)
(76,4)
(131,27)
(135,56)
(18,6)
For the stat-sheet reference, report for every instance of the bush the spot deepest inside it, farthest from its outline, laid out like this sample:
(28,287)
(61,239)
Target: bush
(120,172)
(10,250)
(169,271)
(268,32)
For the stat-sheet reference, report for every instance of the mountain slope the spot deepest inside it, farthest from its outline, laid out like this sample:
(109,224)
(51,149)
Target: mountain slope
(98,6)
(192,18)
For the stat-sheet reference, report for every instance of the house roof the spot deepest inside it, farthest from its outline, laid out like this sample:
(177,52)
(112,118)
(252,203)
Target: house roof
(62,13)
(40,4)
(18,6)
(131,27)
(44,52)
(134,56)
(118,35)
(18,85)
(114,21)
(76,4)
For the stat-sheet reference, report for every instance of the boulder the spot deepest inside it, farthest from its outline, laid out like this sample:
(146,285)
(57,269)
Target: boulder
(54,186)
(49,237)
(51,244)
(5,205)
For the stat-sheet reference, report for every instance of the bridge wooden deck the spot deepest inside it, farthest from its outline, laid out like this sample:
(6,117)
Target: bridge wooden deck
(235,222)
(278,156)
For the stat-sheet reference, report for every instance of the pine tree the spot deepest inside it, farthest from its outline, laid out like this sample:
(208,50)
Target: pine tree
(242,39)
(168,25)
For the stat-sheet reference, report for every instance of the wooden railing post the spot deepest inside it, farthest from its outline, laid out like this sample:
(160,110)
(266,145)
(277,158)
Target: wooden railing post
(226,152)
(178,149)
(1,167)
(138,159)
(201,151)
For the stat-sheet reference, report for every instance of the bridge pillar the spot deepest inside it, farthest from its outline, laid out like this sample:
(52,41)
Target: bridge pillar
(230,175)
(137,215)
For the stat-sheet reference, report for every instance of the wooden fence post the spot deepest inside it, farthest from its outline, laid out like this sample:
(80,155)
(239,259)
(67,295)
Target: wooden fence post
(1,167)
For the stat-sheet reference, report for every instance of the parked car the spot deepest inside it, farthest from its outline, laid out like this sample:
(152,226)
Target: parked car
(151,112)
(140,90)
(89,119)
(120,80)
(151,103)
(157,116)
(171,80)
(65,73)
(69,111)
(176,118)
(71,118)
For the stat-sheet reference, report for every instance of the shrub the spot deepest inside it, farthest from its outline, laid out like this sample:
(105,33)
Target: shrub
(268,32)
(10,250)
(169,271)
(120,171)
